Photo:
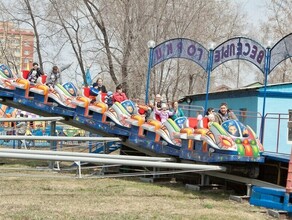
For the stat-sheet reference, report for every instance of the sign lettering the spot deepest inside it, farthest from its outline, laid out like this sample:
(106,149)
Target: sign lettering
(181,48)
(235,48)
(240,48)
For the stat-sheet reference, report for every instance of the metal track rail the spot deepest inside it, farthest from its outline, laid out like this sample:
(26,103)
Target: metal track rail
(90,159)
(32,119)
(57,138)
(93,155)
(206,170)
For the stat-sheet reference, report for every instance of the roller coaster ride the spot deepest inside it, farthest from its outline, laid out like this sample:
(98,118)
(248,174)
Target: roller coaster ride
(192,139)
(197,141)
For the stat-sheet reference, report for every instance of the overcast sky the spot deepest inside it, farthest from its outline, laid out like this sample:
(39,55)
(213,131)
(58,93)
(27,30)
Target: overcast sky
(255,9)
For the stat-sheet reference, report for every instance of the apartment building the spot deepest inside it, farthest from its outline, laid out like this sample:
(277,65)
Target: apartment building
(16,46)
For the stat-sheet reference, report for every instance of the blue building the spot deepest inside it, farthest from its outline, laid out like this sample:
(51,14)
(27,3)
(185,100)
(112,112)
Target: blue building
(247,104)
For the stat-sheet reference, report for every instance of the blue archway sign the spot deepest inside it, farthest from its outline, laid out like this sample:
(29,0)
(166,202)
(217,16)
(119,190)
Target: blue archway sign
(266,59)
(181,48)
(240,48)
(176,48)
(281,51)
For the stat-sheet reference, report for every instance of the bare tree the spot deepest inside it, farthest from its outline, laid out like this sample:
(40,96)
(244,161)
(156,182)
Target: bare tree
(33,24)
(111,36)
(279,25)
(202,21)
(22,14)
(73,29)
(100,24)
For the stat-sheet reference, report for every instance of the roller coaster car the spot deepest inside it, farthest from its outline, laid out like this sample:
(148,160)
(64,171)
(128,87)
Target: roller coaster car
(235,138)
(181,121)
(119,114)
(167,132)
(99,97)
(244,137)
(64,94)
(91,104)
(6,77)
(232,137)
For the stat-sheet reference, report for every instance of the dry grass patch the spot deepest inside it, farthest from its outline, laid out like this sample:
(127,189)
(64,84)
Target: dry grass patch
(59,198)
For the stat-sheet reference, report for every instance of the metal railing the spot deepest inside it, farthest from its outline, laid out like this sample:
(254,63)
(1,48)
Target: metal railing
(275,133)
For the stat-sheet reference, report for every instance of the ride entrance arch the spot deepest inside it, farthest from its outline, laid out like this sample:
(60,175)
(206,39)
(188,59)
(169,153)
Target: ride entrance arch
(238,48)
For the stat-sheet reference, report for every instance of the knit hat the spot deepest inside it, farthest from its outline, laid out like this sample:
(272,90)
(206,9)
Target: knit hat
(163,106)
(109,93)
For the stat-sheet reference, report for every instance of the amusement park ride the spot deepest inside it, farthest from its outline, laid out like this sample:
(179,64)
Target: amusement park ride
(185,138)
(195,140)
(192,139)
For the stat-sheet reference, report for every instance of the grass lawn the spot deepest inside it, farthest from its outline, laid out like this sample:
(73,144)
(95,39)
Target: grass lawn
(40,197)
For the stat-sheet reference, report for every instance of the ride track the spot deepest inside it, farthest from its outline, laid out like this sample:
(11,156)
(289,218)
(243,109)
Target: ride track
(118,160)
(194,142)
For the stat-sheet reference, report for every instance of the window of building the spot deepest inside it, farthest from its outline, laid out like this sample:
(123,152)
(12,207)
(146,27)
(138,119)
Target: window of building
(26,44)
(26,52)
(25,60)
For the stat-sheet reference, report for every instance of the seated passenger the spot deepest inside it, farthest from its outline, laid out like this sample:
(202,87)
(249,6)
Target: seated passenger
(143,109)
(53,78)
(210,114)
(224,114)
(177,111)
(164,113)
(157,102)
(34,73)
(97,87)
(109,98)
(210,111)
(119,95)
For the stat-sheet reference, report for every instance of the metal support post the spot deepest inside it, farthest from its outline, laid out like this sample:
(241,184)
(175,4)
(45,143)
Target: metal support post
(151,45)
(248,189)
(78,169)
(209,69)
(267,71)
(53,144)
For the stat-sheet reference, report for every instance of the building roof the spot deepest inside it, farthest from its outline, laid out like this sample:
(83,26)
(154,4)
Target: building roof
(10,28)
(277,89)
(254,84)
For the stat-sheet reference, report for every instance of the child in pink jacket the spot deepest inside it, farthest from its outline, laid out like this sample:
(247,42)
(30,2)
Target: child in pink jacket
(163,113)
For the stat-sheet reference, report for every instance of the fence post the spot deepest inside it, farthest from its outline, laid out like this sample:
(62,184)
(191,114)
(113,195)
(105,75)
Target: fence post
(53,145)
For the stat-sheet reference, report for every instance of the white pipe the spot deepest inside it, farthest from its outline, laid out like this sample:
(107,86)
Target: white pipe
(114,161)
(62,153)
(57,138)
(32,119)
